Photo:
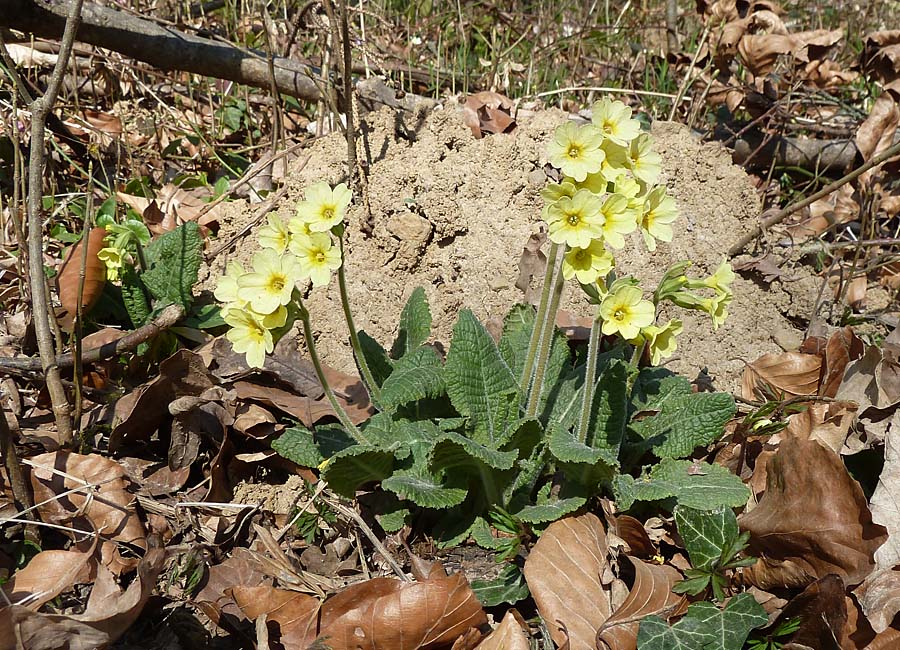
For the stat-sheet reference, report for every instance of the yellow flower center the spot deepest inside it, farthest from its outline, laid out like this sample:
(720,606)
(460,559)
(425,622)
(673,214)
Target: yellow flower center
(257,331)
(574,219)
(328,213)
(277,283)
(620,314)
(320,257)
(574,151)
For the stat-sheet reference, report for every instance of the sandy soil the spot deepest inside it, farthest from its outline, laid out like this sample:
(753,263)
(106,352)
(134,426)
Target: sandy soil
(452,214)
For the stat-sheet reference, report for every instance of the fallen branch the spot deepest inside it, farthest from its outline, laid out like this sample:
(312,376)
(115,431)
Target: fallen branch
(169,316)
(160,46)
(815,155)
(782,214)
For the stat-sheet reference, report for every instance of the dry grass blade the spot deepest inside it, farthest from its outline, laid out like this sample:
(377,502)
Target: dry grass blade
(564,572)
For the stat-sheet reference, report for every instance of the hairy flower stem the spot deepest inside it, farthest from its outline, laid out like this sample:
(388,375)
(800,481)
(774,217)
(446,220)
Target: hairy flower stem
(540,316)
(345,420)
(547,326)
(363,365)
(590,372)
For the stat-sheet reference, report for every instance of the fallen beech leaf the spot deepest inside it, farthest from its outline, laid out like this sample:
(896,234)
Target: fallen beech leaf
(761,51)
(633,533)
(885,503)
(308,411)
(509,635)
(386,613)
(876,133)
(295,613)
(563,572)
(825,422)
(843,347)
(488,112)
(873,380)
(532,264)
(48,574)
(109,613)
(172,207)
(108,504)
(650,594)
(881,55)
(69,278)
(879,597)
(812,520)
(788,373)
(822,611)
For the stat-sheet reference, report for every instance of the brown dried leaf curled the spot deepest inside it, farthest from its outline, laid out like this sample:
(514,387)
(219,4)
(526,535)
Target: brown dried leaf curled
(812,520)
(94,277)
(788,373)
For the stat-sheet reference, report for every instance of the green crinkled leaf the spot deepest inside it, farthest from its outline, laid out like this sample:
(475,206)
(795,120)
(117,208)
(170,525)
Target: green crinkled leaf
(424,490)
(550,511)
(134,298)
(655,386)
(394,520)
(685,422)
(173,261)
(457,453)
(416,376)
(480,384)
(564,408)
(508,587)
(415,324)
(300,445)
(695,485)
(350,468)
(481,535)
(379,362)
(705,533)
(705,627)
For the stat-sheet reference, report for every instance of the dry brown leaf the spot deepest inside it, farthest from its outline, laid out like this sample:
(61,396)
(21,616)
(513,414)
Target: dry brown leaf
(308,411)
(109,613)
(69,278)
(879,597)
(790,373)
(172,207)
(843,347)
(108,504)
(563,572)
(873,380)
(48,574)
(488,112)
(825,422)
(760,52)
(650,594)
(812,520)
(295,613)
(633,533)
(876,133)
(386,613)
(822,611)
(815,44)
(881,55)
(509,635)
(885,502)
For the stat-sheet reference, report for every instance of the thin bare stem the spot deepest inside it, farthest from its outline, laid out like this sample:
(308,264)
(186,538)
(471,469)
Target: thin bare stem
(20,487)
(40,304)
(528,369)
(364,369)
(548,327)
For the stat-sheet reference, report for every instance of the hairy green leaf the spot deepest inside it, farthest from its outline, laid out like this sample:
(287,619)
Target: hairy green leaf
(704,627)
(685,422)
(134,298)
(480,384)
(173,261)
(417,375)
(379,362)
(508,587)
(300,445)
(695,485)
(415,324)
(424,490)
(457,453)
(550,510)
(355,466)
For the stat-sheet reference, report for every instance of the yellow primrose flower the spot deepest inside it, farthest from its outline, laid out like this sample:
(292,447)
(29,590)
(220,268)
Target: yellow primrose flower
(317,257)
(227,286)
(658,215)
(660,341)
(721,280)
(645,164)
(595,183)
(587,264)
(112,259)
(576,150)
(324,207)
(271,282)
(624,311)
(553,192)
(248,335)
(618,220)
(717,308)
(614,120)
(576,221)
(275,235)
(615,164)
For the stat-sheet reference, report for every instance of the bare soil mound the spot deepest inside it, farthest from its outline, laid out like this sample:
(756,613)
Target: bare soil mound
(452,214)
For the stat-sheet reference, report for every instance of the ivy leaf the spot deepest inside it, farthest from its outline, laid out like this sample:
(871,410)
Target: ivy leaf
(705,627)
(173,263)
(417,375)
(480,384)
(508,587)
(695,485)
(685,422)
(415,324)
(706,534)
(379,362)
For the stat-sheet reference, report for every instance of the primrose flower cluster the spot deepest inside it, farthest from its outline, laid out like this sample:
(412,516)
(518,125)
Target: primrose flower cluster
(256,302)
(608,190)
